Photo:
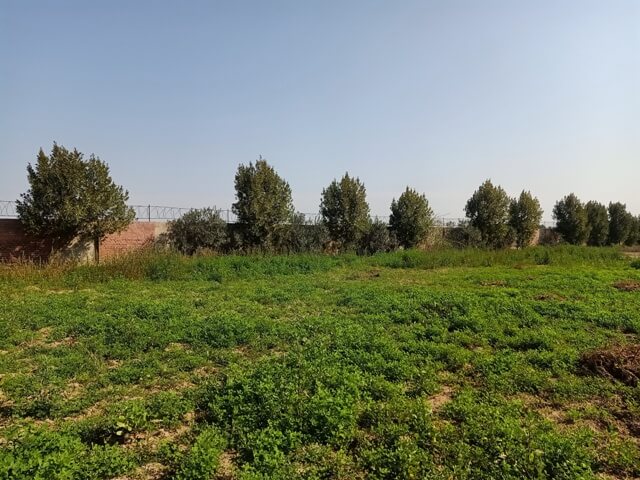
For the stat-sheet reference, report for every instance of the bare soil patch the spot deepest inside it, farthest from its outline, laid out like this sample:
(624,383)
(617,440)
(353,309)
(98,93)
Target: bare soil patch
(627,285)
(621,362)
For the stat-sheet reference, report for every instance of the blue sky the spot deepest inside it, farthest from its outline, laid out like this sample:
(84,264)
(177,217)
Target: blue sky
(439,95)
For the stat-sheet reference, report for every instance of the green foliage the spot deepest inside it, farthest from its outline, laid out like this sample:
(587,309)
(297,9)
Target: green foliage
(524,218)
(621,223)
(345,211)
(411,218)
(301,236)
(71,197)
(376,239)
(634,232)
(203,458)
(40,454)
(263,203)
(597,224)
(571,220)
(488,212)
(200,229)
(457,363)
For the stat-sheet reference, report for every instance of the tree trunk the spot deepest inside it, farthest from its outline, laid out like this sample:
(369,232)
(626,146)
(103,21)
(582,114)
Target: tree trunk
(96,249)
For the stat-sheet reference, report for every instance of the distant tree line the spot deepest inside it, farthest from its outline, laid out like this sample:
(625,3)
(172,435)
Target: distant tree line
(71,197)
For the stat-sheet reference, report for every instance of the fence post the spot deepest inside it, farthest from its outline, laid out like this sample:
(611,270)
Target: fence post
(149,212)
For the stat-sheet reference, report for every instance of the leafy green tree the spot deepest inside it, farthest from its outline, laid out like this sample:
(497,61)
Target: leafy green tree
(597,224)
(198,229)
(345,211)
(634,234)
(411,218)
(70,197)
(524,218)
(571,220)
(488,212)
(620,223)
(263,203)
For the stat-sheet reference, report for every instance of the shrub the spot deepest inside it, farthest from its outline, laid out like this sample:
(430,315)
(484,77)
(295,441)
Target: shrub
(571,220)
(204,457)
(488,211)
(302,236)
(196,230)
(411,218)
(376,239)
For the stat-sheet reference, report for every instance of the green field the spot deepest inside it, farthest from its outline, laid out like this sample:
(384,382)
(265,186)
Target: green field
(444,365)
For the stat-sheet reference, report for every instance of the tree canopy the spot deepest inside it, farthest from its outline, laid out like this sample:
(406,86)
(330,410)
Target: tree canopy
(488,212)
(524,218)
(345,211)
(263,203)
(70,197)
(571,220)
(411,218)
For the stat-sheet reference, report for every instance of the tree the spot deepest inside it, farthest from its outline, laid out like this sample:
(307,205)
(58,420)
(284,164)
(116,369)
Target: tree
(263,203)
(524,218)
(571,220)
(345,211)
(488,211)
(70,197)
(411,218)
(597,224)
(634,234)
(620,223)
(198,229)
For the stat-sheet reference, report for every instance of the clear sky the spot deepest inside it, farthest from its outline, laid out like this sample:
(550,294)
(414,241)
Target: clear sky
(439,95)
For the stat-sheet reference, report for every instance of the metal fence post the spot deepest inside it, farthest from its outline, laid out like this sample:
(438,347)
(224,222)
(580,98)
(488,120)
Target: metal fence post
(149,212)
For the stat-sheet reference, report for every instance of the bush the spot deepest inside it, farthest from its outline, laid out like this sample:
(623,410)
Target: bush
(301,236)
(376,239)
(204,457)
(196,230)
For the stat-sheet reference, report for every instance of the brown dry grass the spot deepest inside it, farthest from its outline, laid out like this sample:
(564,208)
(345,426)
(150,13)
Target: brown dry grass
(619,362)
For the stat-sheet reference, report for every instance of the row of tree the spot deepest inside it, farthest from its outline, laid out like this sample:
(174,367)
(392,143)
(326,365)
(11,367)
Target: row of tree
(71,197)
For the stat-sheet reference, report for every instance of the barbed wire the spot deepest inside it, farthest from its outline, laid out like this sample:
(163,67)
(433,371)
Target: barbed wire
(151,213)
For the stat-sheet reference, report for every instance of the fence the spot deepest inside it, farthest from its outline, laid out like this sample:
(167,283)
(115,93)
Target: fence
(151,213)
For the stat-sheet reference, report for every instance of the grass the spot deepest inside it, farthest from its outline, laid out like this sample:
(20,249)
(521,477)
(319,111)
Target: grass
(460,364)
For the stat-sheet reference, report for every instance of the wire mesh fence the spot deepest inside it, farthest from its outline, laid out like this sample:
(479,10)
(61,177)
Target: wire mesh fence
(154,213)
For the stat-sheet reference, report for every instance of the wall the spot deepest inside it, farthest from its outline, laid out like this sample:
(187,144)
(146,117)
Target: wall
(16,244)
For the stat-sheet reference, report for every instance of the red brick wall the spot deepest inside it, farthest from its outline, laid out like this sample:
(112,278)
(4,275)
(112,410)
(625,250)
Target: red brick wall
(15,244)
(138,235)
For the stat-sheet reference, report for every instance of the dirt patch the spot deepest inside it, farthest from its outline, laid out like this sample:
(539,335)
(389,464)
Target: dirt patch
(549,297)
(627,286)
(619,362)
(227,468)
(494,283)
(438,400)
